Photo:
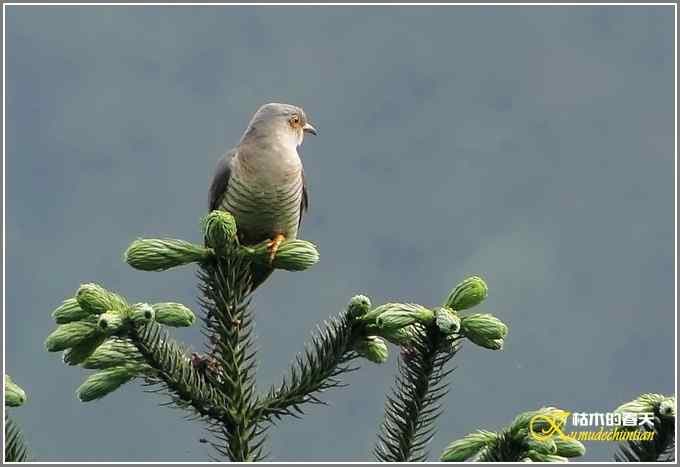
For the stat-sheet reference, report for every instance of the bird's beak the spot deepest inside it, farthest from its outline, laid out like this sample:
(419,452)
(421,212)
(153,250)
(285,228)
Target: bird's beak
(309,128)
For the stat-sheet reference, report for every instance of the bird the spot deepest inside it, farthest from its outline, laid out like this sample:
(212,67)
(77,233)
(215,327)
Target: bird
(261,181)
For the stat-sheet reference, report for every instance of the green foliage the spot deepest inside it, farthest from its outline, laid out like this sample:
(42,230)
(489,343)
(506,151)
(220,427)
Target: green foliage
(79,353)
(316,370)
(69,311)
(484,330)
(662,446)
(143,313)
(397,315)
(468,446)
(173,314)
(161,254)
(471,292)
(101,338)
(174,373)
(114,352)
(646,403)
(99,384)
(15,447)
(99,331)
(516,442)
(358,306)
(429,339)
(402,315)
(569,448)
(219,228)
(112,322)
(96,300)
(415,403)
(292,255)
(70,335)
(447,321)
(225,285)
(373,348)
(14,395)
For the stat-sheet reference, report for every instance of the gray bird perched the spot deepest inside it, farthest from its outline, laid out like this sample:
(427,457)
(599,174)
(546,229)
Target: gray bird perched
(261,181)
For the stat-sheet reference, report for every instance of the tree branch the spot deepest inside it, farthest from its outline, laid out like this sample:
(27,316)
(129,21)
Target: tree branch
(186,385)
(15,448)
(414,406)
(315,371)
(225,284)
(659,449)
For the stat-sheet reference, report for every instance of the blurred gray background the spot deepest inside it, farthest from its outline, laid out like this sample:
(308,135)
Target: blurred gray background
(530,145)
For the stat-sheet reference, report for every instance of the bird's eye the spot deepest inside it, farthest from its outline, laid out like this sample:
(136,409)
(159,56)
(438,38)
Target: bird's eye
(295,120)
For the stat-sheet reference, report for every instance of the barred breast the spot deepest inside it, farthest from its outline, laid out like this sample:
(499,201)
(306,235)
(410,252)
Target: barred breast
(264,206)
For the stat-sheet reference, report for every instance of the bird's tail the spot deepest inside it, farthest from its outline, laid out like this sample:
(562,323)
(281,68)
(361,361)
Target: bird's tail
(259,274)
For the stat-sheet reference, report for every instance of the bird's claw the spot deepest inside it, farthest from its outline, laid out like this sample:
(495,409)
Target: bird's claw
(274,246)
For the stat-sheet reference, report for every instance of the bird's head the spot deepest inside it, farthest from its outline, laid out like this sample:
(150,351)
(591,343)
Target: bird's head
(281,121)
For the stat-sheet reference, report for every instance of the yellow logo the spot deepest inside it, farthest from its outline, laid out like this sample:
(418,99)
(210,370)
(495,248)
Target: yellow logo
(546,426)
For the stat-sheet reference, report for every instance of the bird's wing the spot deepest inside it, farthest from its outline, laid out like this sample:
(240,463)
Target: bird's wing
(304,202)
(218,187)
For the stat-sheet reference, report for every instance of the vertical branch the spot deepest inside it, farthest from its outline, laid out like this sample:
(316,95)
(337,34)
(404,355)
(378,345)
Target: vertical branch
(15,448)
(413,407)
(226,286)
(660,449)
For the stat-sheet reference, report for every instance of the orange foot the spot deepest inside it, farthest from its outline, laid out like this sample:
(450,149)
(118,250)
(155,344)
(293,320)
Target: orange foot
(274,245)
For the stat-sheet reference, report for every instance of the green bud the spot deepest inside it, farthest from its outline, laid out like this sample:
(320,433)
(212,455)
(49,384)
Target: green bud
(396,315)
(667,408)
(292,255)
(491,344)
(395,320)
(113,353)
(546,446)
(358,306)
(372,348)
(95,299)
(296,255)
(70,334)
(142,313)
(468,446)
(173,314)
(569,447)
(220,229)
(69,311)
(644,403)
(484,325)
(405,315)
(111,322)
(77,354)
(472,291)
(161,254)
(541,420)
(447,320)
(372,315)
(399,336)
(484,330)
(104,382)
(14,395)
